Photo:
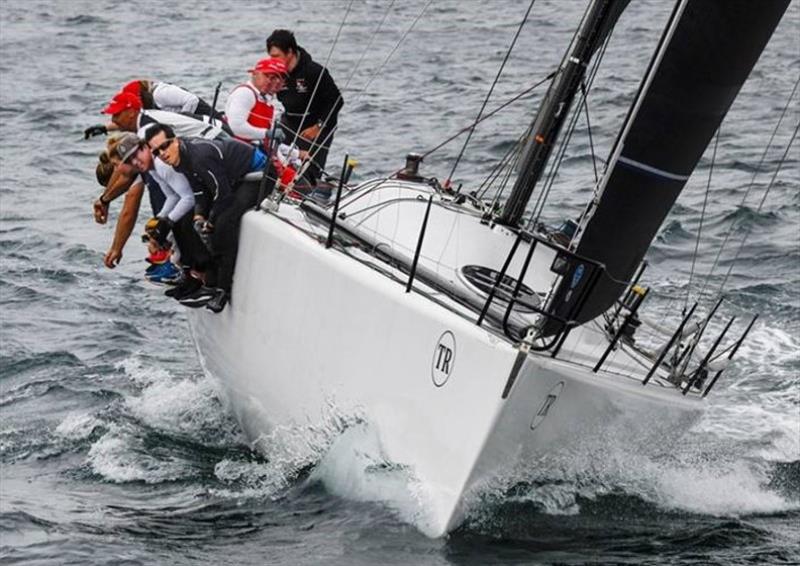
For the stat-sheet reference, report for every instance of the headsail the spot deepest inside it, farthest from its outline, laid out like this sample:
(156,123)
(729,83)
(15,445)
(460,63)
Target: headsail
(704,57)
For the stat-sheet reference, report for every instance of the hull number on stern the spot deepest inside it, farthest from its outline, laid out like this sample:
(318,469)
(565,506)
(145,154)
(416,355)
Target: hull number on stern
(444,358)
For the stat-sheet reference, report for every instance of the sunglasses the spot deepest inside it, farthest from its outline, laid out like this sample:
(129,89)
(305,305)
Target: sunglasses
(162,146)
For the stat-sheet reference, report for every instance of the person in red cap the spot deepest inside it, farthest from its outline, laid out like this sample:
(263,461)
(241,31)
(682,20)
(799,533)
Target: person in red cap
(128,114)
(158,95)
(253,107)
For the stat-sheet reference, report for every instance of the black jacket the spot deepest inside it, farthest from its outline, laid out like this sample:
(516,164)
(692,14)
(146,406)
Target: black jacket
(214,169)
(298,90)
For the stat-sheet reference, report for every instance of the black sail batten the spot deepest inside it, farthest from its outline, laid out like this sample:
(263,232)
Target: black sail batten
(705,56)
(598,21)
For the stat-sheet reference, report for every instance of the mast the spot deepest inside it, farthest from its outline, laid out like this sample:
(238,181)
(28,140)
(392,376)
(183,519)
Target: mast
(706,53)
(597,22)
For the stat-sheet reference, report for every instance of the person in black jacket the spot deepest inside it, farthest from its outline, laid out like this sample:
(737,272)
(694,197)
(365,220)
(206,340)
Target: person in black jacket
(311,98)
(215,169)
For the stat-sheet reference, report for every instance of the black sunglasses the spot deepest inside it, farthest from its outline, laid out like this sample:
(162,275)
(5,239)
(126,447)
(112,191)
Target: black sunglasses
(162,146)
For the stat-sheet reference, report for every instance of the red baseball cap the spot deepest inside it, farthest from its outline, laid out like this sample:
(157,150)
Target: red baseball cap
(132,87)
(270,66)
(122,101)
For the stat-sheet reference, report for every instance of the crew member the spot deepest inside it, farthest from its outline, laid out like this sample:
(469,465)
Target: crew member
(158,95)
(176,212)
(127,114)
(215,168)
(311,98)
(252,107)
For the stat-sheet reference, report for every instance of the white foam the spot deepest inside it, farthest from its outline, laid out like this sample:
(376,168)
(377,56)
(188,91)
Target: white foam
(248,479)
(187,407)
(77,426)
(356,468)
(119,456)
(733,489)
(768,346)
(139,373)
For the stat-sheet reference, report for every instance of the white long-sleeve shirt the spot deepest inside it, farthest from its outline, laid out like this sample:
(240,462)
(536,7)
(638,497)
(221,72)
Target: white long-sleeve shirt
(173,98)
(175,186)
(238,106)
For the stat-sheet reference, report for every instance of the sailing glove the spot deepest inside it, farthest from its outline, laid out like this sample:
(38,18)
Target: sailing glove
(276,135)
(96,130)
(161,231)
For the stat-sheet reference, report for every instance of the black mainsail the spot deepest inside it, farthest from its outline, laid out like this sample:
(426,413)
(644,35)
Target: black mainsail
(706,53)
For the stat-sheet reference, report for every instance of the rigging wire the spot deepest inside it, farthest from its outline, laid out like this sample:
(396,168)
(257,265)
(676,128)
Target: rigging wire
(486,184)
(760,206)
(372,77)
(491,90)
(589,130)
(319,78)
(509,171)
(758,169)
(366,49)
(508,102)
(544,194)
(702,217)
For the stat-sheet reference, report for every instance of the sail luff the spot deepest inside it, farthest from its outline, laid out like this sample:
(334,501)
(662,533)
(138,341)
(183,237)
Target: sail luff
(616,149)
(694,77)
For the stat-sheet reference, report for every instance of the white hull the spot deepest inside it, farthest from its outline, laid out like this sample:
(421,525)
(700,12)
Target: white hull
(311,327)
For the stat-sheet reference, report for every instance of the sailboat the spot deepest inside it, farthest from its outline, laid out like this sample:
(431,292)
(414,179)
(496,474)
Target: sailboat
(475,347)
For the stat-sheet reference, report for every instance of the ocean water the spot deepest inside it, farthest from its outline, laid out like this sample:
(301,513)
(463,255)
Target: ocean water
(114,448)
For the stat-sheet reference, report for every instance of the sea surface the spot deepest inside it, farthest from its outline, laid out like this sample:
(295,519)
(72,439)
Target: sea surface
(116,449)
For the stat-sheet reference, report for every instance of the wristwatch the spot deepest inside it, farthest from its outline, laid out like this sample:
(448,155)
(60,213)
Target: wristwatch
(103,202)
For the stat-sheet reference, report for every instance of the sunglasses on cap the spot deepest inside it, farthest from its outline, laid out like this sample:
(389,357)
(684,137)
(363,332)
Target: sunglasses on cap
(161,147)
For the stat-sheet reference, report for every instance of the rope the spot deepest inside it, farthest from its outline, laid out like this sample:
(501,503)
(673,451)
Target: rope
(750,186)
(760,205)
(489,94)
(702,217)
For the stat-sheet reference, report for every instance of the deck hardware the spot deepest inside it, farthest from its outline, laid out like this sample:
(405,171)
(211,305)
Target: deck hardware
(500,277)
(641,294)
(632,286)
(345,168)
(689,349)
(730,356)
(702,368)
(675,336)
(419,245)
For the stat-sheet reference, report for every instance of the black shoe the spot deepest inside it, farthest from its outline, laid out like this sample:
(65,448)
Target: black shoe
(199,297)
(188,286)
(217,304)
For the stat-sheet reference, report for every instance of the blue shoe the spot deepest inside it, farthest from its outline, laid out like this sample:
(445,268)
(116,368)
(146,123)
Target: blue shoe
(164,273)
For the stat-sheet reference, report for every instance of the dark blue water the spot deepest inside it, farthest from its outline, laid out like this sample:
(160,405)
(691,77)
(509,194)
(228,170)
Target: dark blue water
(115,449)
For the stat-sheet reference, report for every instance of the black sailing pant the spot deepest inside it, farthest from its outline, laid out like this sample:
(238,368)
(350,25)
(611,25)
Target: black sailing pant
(194,253)
(225,239)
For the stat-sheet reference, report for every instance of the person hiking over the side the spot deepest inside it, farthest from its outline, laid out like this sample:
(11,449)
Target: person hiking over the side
(128,114)
(311,98)
(216,169)
(157,95)
(175,214)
